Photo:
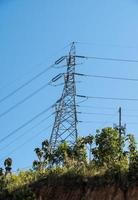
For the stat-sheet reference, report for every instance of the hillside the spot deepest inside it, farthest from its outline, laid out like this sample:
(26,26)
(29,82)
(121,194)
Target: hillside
(85,189)
(89,193)
(66,173)
(74,188)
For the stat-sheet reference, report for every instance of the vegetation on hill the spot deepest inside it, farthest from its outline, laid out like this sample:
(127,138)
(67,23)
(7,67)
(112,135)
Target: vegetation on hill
(113,159)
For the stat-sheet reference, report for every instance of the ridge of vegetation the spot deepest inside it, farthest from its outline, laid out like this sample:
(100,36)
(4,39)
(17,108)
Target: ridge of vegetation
(114,161)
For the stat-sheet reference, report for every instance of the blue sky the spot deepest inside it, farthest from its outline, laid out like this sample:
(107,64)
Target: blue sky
(33,34)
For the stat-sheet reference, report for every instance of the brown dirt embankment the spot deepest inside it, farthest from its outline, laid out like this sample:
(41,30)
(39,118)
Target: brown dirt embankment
(84,190)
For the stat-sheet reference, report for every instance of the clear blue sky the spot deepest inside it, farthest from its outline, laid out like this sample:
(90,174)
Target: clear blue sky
(33,35)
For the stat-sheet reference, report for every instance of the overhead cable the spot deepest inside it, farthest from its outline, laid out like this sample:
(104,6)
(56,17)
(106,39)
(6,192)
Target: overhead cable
(24,100)
(107,98)
(25,124)
(21,135)
(109,59)
(25,84)
(97,107)
(94,122)
(27,141)
(92,113)
(107,45)
(107,77)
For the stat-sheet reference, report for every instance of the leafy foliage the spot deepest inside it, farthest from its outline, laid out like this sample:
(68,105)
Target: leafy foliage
(107,151)
(133,157)
(114,158)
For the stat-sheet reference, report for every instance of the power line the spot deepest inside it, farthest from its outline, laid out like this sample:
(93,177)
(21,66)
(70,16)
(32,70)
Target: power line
(109,59)
(97,107)
(39,64)
(106,114)
(91,113)
(108,77)
(103,123)
(107,45)
(25,84)
(29,81)
(27,141)
(18,78)
(24,100)
(25,124)
(99,122)
(107,98)
(15,139)
(105,108)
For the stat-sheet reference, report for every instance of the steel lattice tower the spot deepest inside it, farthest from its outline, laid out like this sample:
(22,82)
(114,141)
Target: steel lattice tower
(65,124)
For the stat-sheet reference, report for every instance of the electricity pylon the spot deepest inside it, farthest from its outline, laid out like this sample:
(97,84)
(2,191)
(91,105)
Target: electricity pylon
(121,128)
(65,124)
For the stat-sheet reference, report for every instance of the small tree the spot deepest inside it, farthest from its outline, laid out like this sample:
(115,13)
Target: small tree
(38,165)
(107,151)
(79,150)
(44,157)
(62,155)
(8,166)
(1,171)
(47,154)
(133,156)
(88,140)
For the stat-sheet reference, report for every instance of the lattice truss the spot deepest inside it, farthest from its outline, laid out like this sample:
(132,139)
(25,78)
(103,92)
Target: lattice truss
(65,124)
